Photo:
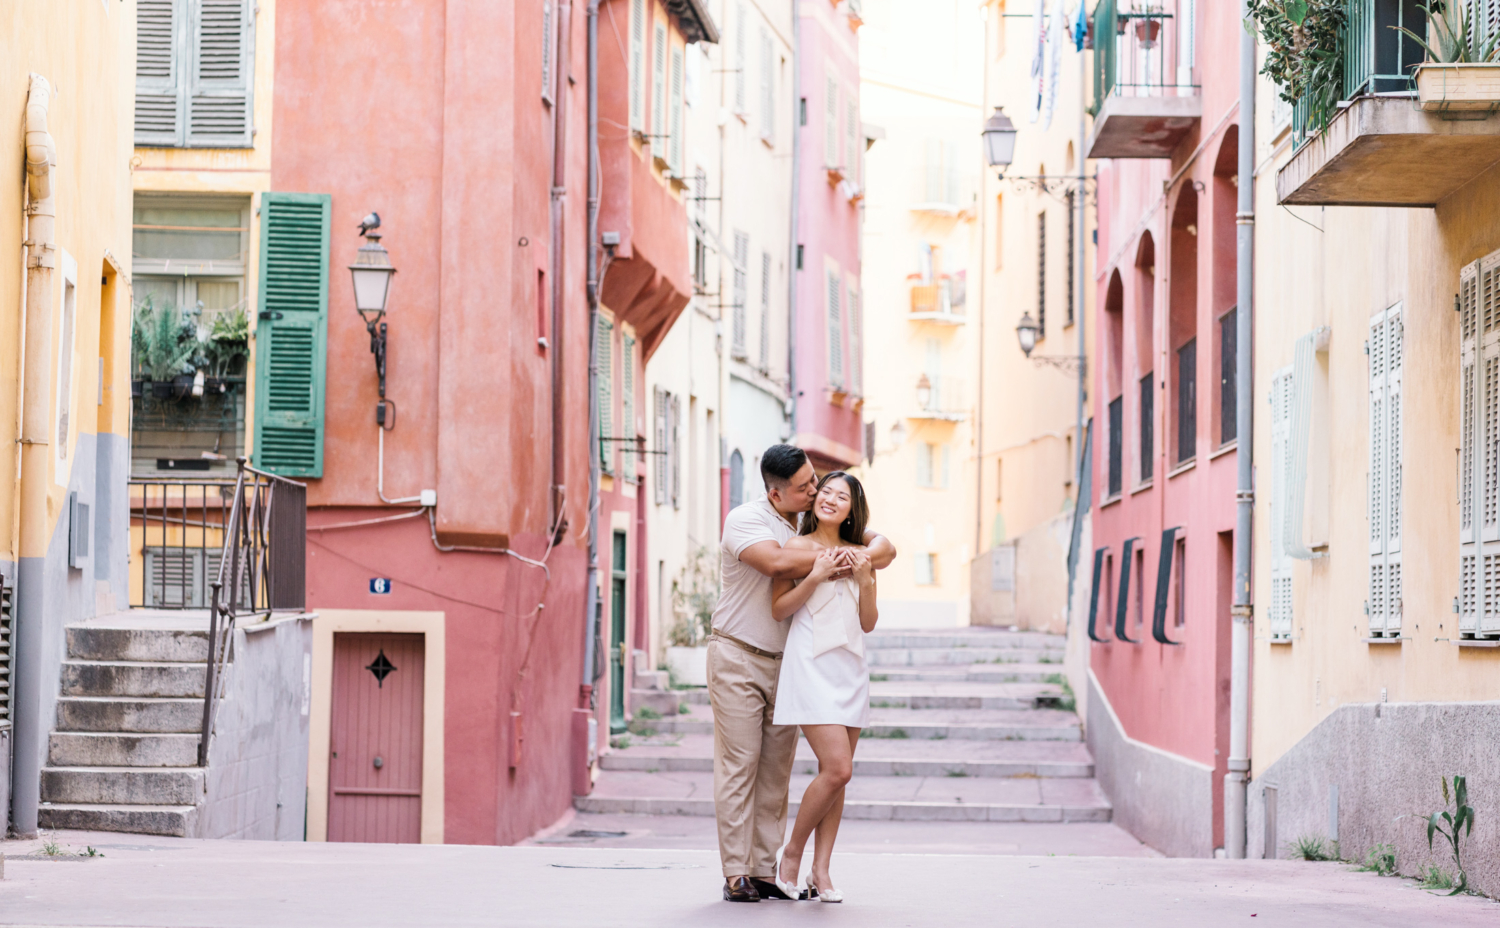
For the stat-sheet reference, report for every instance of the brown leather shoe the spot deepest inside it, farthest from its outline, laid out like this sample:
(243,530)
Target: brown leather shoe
(740,889)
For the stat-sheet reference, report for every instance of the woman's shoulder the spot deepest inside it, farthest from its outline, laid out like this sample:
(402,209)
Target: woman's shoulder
(803,543)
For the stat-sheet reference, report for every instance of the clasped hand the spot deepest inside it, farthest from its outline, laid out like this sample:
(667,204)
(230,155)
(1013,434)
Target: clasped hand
(838,563)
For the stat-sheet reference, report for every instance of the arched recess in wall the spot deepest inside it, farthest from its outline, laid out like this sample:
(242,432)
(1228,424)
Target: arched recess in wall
(1143,326)
(1182,326)
(1223,247)
(736,479)
(1114,347)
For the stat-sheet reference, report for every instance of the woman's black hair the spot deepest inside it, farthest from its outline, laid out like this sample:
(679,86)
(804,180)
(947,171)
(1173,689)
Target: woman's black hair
(852,529)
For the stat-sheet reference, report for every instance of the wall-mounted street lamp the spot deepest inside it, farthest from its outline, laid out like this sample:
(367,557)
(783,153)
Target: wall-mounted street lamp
(1026,331)
(999,141)
(924,392)
(371,273)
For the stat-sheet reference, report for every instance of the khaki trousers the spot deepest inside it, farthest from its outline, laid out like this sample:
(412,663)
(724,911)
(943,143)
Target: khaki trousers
(752,759)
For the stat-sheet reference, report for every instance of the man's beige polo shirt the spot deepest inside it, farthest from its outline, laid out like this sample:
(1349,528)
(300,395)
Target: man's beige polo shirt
(744,609)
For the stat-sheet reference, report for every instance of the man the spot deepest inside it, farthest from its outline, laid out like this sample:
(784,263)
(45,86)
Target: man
(752,757)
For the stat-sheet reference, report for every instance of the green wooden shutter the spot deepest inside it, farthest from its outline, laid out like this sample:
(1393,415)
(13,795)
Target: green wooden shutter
(218,108)
(291,335)
(160,40)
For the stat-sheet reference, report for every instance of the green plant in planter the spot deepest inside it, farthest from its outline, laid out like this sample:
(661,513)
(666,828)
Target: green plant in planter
(228,341)
(1304,51)
(1459,822)
(1455,34)
(163,345)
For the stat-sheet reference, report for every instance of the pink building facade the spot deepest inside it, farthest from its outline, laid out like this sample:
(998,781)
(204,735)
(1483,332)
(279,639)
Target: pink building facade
(1163,408)
(827,380)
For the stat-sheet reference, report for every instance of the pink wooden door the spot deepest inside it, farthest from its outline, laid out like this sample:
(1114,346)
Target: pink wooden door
(375,743)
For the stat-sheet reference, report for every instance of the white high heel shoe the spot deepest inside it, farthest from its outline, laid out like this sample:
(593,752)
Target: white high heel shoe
(790,889)
(831,895)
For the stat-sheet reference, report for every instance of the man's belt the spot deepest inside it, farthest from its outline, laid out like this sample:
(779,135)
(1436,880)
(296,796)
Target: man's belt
(774,655)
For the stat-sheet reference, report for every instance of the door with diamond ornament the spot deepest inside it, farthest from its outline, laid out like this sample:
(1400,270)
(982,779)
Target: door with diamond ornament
(375,739)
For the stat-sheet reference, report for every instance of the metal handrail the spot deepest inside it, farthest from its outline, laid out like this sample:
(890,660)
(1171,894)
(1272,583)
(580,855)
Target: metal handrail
(1377,60)
(262,568)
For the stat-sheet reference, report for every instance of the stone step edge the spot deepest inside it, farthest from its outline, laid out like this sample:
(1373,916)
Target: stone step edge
(870,811)
(75,769)
(82,662)
(1044,770)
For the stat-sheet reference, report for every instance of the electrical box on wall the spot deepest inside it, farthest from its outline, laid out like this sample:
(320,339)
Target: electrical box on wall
(78,532)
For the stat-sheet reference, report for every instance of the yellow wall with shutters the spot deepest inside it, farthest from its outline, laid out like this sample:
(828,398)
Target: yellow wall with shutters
(86,51)
(1336,267)
(227,172)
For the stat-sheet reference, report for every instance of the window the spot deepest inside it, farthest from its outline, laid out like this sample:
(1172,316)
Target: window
(851,139)
(1385,467)
(1116,446)
(1228,333)
(941,178)
(1041,274)
(547,43)
(1187,401)
(740,63)
(1479,362)
(856,361)
(1281,472)
(831,122)
(194,60)
(661,415)
(835,332)
(605,396)
(1179,614)
(926,565)
(627,406)
(637,63)
(189,257)
(741,296)
(933,465)
(765,310)
(1148,426)
(674,148)
(1072,204)
(767,86)
(736,479)
(924,464)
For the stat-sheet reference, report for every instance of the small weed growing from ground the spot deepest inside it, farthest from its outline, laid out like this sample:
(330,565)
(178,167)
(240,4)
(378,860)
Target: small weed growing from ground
(879,704)
(51,848)
(958,773)
(940,736)
(646,712)
(1460,824)
(1435,877)
(1380,859)
(878,678)
(1312,847)
(1068,700)
(1047,659)
(684,709)
(620,742)
(893,733)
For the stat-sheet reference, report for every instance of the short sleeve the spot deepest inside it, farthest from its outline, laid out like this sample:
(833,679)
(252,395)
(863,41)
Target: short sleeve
(744,528)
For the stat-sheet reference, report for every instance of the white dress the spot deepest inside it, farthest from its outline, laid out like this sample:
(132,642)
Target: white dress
(824,679)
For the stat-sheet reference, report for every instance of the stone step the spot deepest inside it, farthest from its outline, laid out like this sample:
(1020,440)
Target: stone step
(961,638)
(966,724)
(880,658)
(1016,799)
(876,757)
(116,643)
(163,786)
(961,695)
(661,702)
(132,678)
(971,673)
(175,821)
(99,749)
(110,714)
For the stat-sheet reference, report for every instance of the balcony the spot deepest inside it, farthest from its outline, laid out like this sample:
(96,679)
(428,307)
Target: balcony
(940,398)
(941,302)
(1378,148)
(1145,101)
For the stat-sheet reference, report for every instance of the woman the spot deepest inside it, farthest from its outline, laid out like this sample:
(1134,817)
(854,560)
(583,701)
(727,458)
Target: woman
(824,684)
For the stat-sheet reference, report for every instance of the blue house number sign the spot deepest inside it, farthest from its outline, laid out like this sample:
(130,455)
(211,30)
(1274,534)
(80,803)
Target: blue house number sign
(380,585)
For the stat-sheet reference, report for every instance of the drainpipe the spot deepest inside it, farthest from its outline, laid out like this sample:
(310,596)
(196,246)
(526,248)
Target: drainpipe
(583,713)
(1080,318)
(41,261)
(793,273)
(1237,779)
(558,262)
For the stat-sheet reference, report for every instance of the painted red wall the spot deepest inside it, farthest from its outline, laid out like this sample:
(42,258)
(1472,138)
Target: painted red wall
(430,112)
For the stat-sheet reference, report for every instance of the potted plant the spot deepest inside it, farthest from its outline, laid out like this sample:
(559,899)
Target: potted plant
(1461,71)
(163,347)
(694,594)
(1147,25)
(1304,52)
(225,348)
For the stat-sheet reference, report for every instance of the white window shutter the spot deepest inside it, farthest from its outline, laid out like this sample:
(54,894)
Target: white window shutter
(767,86)
(218,113)
(741,294)
(1487,434)
(675,448)
(160,68)
(1281,565)
(547,43)
(765,310)
(856,359)
(1395,342)
(1299,441)
(944,474)
(1385,472)
(835,333)
(674,150)
(1377,477)
(740,62)
(924,464)
(659,444)
(1470,576)
(605,397)
(851,140)
(831,122)
(627,407)
(637,63)
(659,125)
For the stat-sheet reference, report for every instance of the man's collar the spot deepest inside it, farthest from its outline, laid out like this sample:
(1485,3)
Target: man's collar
(794,523)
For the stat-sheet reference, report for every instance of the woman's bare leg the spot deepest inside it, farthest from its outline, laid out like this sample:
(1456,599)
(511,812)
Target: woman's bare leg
(828,829)
(831,744)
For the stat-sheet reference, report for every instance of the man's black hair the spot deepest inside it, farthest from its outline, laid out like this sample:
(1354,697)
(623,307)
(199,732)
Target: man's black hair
(780,464)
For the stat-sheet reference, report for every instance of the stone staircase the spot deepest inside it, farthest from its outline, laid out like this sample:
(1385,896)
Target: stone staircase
(125,751)
(965,725)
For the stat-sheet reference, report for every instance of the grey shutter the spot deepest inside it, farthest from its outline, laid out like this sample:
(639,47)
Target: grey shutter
(741,294)
(1281,565)
(674,150)
(1487,430)
(1300,437)
(219,94)
(547,52)
(659,88)
(740,63)
(605,397)
(835,334)
(1470,577)
(675,448)
(637,61)
(659,413)
(160,65)
(627,406)
(767,86)
(765,310)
